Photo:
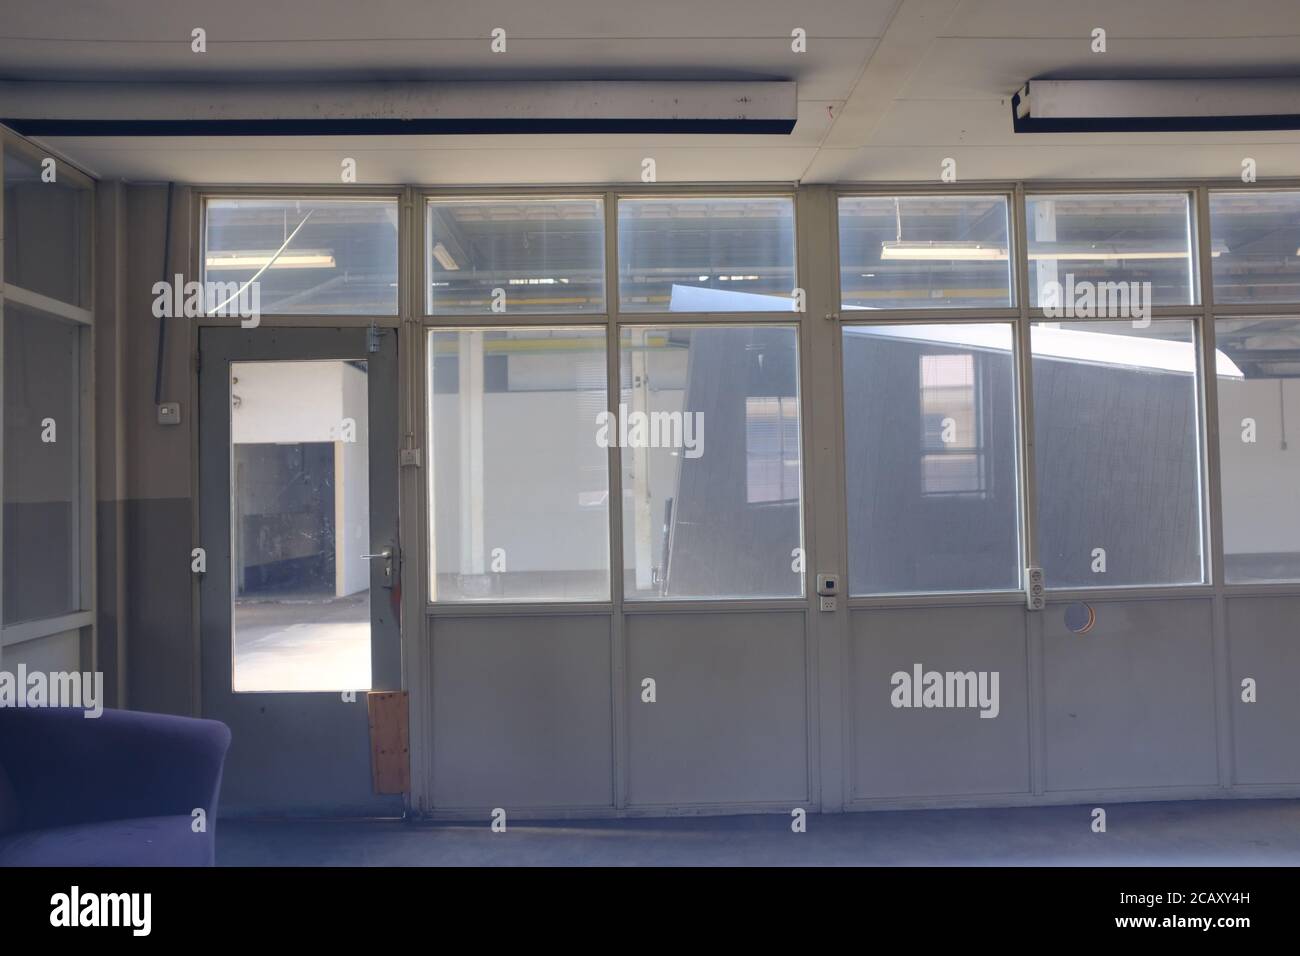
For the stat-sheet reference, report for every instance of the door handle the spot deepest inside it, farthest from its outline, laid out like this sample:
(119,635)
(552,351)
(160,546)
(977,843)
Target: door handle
(387,555)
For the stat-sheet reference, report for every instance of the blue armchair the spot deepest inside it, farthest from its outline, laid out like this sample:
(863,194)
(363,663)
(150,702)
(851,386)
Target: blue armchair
(116,790)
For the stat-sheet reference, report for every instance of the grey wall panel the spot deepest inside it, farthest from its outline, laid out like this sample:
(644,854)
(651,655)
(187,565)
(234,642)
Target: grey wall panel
(729,724)
(160,654)
(522,715)
(1264,644)
(315,773)
(1131,702)
(55,652)
(934,751)
(158,516)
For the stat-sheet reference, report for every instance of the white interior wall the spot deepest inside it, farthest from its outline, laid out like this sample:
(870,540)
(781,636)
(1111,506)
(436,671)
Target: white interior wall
(292,402)
(1261,480)
(352,490)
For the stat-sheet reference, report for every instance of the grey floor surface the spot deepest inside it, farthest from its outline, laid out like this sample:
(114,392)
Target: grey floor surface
(1192,833)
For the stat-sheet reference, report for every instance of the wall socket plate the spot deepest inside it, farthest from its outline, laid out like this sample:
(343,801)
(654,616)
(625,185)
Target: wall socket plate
(1035,595)
(169,413)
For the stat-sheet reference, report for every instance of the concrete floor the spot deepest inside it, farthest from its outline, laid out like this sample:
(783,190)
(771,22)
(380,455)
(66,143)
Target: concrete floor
(302,642)
(1190,833)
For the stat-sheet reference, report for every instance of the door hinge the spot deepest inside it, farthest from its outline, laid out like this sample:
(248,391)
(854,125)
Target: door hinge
(372,337)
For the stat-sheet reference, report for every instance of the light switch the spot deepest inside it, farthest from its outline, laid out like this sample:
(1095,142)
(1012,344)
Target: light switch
(169,413)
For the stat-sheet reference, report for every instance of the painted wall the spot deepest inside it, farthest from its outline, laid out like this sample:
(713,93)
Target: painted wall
(1261,480)
(161,656)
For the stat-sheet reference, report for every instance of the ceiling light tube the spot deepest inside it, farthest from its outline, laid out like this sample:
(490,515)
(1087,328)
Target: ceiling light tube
(1146,106)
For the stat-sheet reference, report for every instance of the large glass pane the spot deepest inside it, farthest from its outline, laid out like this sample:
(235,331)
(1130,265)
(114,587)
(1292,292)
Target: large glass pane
(718,254)
(922,252)
(930,458)
(515,256)
(307,256)
(708,425)
(518,482)
(46,231)
(1109,256)
(1259,454)
(1255,246)
(42,464)
(300,525)
(1117,450)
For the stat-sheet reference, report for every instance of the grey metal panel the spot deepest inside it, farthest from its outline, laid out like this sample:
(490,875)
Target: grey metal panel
(522,714)
(1264,643)
(729,724)
(1131,702)
(56,652)
(909,751)
(294,753)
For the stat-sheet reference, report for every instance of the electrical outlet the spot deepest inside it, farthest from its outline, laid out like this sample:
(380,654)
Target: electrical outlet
(1035,594)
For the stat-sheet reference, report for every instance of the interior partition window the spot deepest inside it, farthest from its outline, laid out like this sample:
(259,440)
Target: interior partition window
(515,256)
(1117,453)
(43,515)
(518,465)
(922,252)
(46,231)
(301,256)
(1131,248)
(300,526)
(709,430)
(1259,448)
(930,458)
(1255,246)
(706,254)
(46,319)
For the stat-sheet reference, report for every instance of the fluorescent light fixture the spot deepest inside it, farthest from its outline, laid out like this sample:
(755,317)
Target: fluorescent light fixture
(445,258)
(406,108)
(900,249)
(1097,251)
(307,259)
(1145,106)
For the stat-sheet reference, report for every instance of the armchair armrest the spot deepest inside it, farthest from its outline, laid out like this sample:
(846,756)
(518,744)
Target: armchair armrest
(68,769)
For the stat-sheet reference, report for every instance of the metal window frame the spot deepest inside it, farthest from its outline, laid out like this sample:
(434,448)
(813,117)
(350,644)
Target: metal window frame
(83,617)
(823,222)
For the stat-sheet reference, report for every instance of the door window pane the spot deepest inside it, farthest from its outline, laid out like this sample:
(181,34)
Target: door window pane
(528,255)
(1255,246)
(46,232)
(1117,450)
(1259,448)
(300,525)
(709,429)
(519,485)
(308,256)
(42,463)
(1102,248)
(716,254)
(921,252)
(930,453)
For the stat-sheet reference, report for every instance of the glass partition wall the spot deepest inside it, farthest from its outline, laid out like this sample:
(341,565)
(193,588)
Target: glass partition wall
(45,339)
(632,404)
(552,405)
(623,335)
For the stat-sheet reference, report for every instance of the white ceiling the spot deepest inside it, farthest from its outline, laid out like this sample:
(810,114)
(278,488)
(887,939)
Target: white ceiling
(887,89)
